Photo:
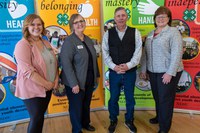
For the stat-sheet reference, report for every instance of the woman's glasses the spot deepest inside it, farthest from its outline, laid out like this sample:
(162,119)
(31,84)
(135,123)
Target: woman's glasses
(80,21)
(161,17)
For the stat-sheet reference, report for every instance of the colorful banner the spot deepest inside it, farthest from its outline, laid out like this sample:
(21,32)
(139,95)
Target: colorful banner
(187,20)
(56,14)
(140,15)
(12,15)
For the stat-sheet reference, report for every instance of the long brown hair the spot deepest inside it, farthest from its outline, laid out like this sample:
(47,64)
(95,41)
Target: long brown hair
(28,21)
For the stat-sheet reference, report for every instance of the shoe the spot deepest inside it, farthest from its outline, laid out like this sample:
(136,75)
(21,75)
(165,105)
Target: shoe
(153,120)
(131,126)
(112,126)
(89,128)
(161,131)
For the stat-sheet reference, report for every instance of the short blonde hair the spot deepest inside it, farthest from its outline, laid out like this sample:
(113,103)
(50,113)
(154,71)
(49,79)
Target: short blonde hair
(71,20)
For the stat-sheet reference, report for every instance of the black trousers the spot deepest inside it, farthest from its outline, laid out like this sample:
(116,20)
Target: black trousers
(79,108)
(164,96)
(36,108)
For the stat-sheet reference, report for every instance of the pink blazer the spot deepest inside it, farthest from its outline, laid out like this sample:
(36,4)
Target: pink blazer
(29,59)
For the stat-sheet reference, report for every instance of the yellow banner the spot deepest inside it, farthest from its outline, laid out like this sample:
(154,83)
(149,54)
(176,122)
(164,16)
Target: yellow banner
(56,14)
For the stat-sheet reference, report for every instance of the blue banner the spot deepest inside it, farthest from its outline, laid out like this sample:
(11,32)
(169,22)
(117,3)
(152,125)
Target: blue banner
(12,14)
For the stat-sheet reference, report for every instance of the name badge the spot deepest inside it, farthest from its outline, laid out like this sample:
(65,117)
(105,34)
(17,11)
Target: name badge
(80,46)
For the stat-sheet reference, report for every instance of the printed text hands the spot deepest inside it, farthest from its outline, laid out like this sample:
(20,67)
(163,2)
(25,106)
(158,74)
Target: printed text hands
(147,8)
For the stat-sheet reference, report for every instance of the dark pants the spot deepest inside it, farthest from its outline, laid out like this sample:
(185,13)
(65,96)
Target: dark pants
(36,108)
(117,82)
(164,96)
(79,108)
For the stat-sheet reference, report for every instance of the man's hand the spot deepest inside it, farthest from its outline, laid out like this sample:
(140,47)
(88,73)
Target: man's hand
(117,69)
(124,68)
(121,69)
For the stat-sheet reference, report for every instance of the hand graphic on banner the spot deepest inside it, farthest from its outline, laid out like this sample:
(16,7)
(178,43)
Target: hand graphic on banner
(147,8)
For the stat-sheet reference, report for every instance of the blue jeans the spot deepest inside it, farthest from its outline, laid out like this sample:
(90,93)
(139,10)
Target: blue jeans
(117,81)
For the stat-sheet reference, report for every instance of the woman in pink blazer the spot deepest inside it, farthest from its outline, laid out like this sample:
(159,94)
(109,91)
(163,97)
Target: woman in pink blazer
(37,71)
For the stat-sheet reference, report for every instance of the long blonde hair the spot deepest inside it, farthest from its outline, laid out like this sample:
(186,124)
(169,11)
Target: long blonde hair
(28,21)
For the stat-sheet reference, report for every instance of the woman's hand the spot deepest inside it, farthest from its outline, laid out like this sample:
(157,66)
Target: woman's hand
(49,85)
(143,75)
(56,83)
(166,78)
(76,89)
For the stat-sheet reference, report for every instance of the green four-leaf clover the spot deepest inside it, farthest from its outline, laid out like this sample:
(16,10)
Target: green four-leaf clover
(63,19)
(189,15)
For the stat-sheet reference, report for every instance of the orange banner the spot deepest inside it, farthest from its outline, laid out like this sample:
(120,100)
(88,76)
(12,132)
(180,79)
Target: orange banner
(56,14)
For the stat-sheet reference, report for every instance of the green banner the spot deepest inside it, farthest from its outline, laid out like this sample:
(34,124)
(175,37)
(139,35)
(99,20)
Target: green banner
(140,15)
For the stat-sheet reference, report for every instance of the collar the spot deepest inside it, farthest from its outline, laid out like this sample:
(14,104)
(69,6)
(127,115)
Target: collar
(165,28)
(120,31)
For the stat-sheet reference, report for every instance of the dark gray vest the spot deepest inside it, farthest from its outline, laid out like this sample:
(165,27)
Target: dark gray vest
(121,51)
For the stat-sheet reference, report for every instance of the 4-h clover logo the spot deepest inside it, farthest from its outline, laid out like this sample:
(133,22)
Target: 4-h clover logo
(189,15)
(128,13)
(63,19)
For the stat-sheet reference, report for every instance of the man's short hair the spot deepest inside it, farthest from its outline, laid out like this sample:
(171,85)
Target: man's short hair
(118,9)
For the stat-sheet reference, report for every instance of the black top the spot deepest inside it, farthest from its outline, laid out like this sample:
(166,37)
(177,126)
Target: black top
(90,72)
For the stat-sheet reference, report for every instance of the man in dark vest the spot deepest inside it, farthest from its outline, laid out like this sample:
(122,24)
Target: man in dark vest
(122,48)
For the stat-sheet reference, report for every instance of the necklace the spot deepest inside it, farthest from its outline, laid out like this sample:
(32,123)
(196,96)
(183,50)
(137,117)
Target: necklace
(35,39)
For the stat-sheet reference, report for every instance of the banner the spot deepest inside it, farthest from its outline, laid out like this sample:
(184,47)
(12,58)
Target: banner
(140,15)
(187,20)
(12,15)
(56,14)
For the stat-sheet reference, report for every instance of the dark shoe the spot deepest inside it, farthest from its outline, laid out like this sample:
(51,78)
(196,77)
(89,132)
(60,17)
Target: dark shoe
(131,126)
(154,120)
(161,131)
(112,126)
(89,128)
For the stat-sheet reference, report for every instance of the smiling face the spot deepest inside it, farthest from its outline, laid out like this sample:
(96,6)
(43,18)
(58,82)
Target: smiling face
(35,28)
(121,18)
(79,24)
(162,20)
(162,17)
